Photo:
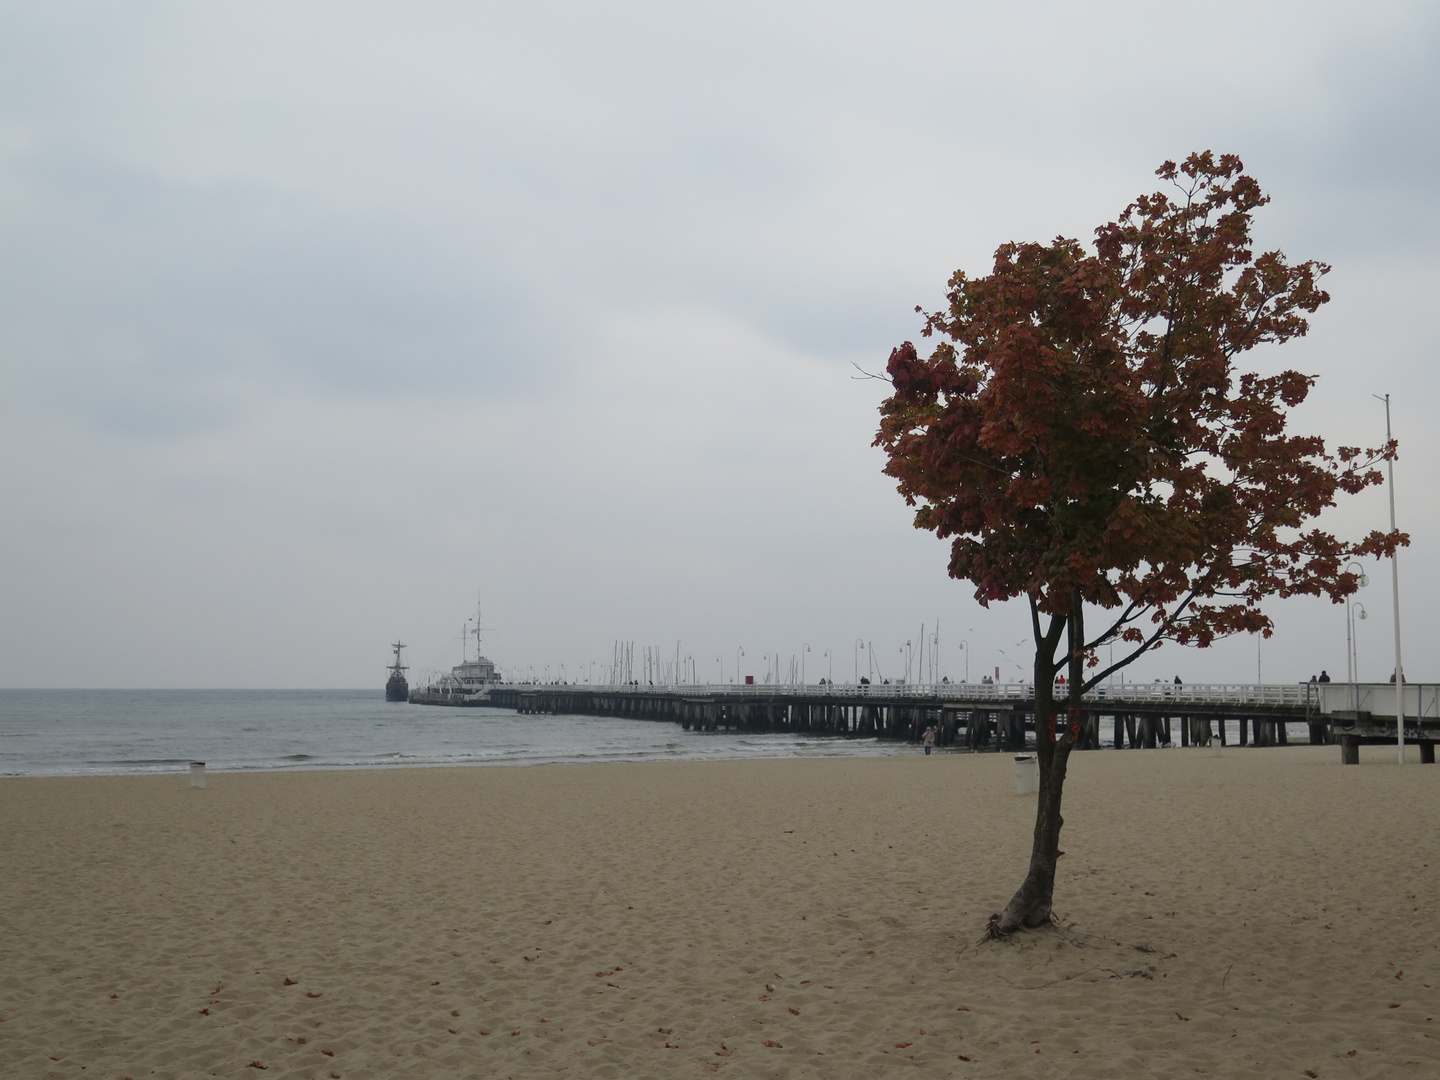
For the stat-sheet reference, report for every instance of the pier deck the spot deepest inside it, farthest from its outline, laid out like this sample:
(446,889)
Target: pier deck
(1000,716)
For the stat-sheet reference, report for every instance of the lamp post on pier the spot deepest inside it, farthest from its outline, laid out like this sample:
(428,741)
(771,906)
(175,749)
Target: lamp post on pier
(1352,667)
(802,662)
(859,644)
(1351,648)
(831,670)
(1395,593)
(739,652)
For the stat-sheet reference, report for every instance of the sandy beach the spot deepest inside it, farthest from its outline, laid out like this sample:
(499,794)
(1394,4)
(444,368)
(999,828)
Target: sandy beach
(1265,913)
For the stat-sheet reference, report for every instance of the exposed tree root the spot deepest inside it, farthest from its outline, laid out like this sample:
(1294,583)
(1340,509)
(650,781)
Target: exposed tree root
(999,926)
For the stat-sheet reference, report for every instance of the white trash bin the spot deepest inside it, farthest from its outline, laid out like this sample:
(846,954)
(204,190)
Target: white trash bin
(197,774)
(1027,774)
(1214,745)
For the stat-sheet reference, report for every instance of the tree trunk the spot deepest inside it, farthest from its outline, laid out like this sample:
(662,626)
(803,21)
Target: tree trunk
(1031,905)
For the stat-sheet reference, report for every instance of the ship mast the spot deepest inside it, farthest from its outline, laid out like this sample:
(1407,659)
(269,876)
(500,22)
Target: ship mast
(397,667)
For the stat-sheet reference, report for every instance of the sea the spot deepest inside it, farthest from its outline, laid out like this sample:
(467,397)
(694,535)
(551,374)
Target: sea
(111,732)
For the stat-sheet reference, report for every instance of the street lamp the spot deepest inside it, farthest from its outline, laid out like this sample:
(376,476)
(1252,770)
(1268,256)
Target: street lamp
(1395,591)
(1350,666)
(859,644)
(965,648)
(721,661)
(802,663)
(831,669)
(1352,654)
(739,652)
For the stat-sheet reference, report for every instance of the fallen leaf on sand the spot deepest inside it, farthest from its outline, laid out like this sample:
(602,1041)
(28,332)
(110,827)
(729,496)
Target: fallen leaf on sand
(302,1040)
(772,1042)
(1311,1073)
(256,1065)
(328,1053)
(289,981)
(1182,1017)
(204,1012)
(484,1033)
(314,993)
(454,1012)
(794,1012)
(901,1046)
(962,1057)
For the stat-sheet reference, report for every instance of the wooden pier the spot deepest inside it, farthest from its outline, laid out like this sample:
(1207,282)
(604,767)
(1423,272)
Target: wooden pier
(1001,717)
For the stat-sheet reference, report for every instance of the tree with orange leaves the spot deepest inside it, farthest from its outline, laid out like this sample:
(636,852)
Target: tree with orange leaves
(1082,437)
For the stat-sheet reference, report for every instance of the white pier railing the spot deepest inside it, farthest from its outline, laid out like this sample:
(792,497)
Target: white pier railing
(1421,699)
(1275,694)
(1378,699)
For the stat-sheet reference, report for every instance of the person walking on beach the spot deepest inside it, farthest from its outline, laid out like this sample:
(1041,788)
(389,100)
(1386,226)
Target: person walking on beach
(929,739)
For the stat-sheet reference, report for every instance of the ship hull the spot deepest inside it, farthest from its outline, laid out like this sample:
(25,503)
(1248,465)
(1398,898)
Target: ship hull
(397,689)
(430,695)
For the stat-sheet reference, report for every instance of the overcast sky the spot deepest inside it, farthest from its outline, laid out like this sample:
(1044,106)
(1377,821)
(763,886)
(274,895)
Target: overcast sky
(319,320)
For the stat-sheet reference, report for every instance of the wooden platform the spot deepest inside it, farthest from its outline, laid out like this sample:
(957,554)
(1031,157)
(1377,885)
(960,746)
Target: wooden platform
(977,717)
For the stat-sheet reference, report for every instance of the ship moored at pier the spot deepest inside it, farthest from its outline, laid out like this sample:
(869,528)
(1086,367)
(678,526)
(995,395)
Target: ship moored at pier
(468,683)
